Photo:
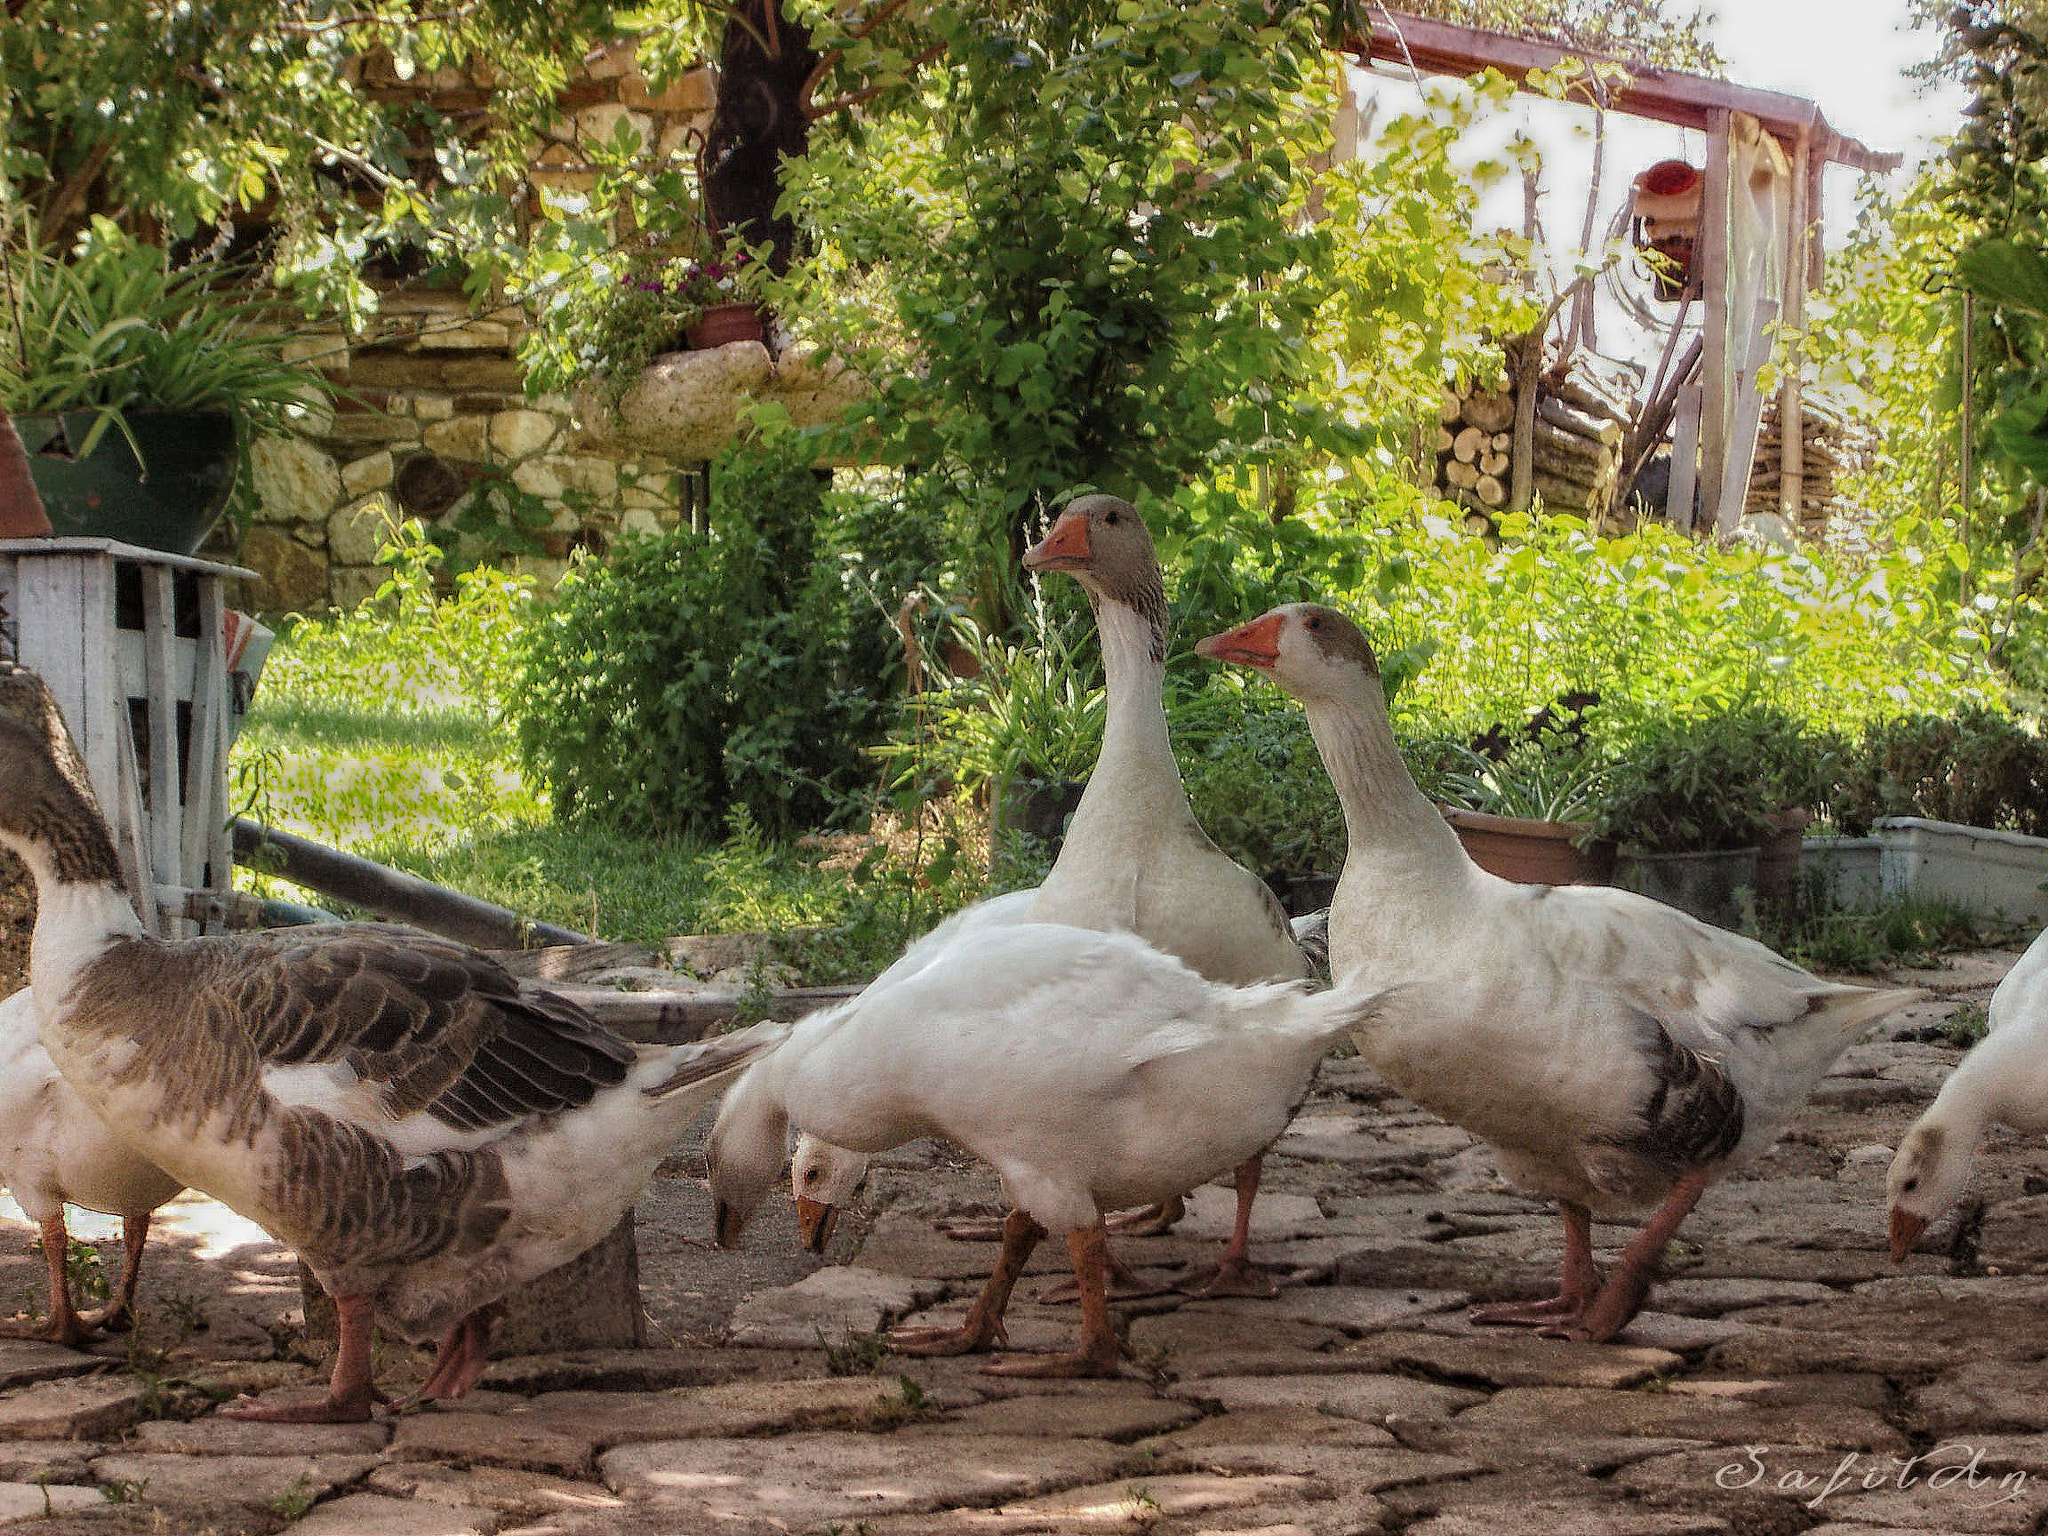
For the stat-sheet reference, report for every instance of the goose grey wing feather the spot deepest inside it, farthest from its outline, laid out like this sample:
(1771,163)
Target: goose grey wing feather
(442,1028)
(1693,1116)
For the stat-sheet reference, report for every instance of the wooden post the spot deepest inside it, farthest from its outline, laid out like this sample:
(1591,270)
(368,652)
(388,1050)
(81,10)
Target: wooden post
(1791,400)
(1685,457)
(1711,257)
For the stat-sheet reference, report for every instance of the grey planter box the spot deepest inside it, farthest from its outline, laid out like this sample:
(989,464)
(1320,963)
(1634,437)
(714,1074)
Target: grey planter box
(1974,867)
(1853,868)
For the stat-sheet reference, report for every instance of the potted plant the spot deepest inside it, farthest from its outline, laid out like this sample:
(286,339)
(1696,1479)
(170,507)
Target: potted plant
(1692,796)
(1959,808)
(659,302)
(1021,724)
(1527,813)
(136,385)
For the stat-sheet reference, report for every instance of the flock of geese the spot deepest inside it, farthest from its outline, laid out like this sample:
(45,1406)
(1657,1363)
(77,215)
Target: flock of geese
(428,1134)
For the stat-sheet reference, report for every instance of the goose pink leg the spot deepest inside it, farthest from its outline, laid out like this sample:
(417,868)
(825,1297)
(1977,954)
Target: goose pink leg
(1099,1351)
(120,1312)
(350,1393)
(1622,1297)
(1234,1274)
(1580,1284)
(63,1325)
(984,1324)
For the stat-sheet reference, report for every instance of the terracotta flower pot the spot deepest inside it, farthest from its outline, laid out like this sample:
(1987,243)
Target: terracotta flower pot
(1532,852)
(21,509)
(722,324)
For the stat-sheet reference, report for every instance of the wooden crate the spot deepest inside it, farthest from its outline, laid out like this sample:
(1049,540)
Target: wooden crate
(130,642)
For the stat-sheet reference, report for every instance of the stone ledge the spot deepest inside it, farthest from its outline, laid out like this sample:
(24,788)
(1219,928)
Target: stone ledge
(687,405)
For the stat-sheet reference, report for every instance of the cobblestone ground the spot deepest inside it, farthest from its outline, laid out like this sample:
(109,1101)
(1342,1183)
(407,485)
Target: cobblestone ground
(1786,1381)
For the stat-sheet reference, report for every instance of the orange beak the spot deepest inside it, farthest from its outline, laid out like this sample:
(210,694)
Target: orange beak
(815,1221)
(1256,644)
(1906,1230)
(1065,548)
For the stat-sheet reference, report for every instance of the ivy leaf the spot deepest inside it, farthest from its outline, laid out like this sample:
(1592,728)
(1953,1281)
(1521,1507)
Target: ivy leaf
(2009,274)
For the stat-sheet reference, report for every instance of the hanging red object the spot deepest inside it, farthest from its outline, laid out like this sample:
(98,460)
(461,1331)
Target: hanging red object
(1665,216)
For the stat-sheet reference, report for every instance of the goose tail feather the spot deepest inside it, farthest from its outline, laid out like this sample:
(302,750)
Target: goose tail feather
(710,1061)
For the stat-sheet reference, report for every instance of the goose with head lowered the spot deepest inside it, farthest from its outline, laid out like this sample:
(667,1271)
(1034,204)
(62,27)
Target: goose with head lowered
(2002,1081)
(1089,1069)
(1617,1054)
(55,1151)
(393,1106)
(1134,859)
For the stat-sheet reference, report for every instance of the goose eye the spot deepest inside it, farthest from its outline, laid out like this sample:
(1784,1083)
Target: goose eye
(1910,1185)
(1113,518)
(810,1175)
(1313,623)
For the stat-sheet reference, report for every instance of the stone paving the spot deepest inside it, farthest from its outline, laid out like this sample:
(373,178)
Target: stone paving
(1791,1380)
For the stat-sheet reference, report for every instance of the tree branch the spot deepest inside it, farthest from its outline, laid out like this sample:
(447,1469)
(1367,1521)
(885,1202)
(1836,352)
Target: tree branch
(868,93)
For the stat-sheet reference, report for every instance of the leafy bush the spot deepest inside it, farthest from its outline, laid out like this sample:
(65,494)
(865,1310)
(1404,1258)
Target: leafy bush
(1260,791)
(694,673)
(1705,780)
(1974,766)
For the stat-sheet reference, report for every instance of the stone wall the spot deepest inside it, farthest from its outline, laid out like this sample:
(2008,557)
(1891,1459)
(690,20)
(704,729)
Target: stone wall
(438,413)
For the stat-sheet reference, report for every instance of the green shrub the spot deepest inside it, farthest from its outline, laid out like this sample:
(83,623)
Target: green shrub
(695,673)
(1701,780)
(1976,766)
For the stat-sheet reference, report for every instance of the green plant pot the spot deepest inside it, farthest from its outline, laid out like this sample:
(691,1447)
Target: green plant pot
(1038,807)
(169,500)
(1709,885)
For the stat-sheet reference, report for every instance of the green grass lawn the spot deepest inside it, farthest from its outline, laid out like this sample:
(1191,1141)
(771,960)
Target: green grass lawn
(386,733)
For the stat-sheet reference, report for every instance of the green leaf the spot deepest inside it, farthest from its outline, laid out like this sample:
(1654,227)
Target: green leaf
(2011,275)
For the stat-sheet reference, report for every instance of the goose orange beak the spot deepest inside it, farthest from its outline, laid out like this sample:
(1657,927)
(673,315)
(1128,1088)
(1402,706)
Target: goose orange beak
(1064,548)
(1906,1230)
(1256,644)
(815,1221)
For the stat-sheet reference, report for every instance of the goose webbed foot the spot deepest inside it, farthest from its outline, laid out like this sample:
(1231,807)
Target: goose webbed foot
(1580,1284)
(461,1359)
(68,1330)
(351,1394)
(1125,1284)
(1152,1221)
(1622,1297)
(1229,1277)
(970,1338)
(1100,1350)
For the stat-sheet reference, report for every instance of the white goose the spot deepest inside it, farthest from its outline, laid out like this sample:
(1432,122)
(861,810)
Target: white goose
(1092,1071)
(1615,1052)
(54,1151)
(391,1105)
(2002,1081)
(1135,860)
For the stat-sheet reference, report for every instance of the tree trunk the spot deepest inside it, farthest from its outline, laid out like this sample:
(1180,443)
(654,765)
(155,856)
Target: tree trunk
(764,63)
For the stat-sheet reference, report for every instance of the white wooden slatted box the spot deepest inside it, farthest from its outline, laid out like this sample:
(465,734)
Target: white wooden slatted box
(131,643)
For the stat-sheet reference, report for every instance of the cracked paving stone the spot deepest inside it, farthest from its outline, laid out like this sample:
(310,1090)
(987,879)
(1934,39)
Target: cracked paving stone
(233,1437)
(808,1479)
(1086,1417)
(1212,1216)
(31,1501)
(507,1490)
(1133,1503)
(25,1361)
(1568,1519)
(372,1514)
(1535,1412)
(607,1419)
(1900,1327)
(827,1305)
(249,1482)
(510,1439)
(1293,1426)
(1209,1341)
(88,1409)
(1383,1400)
(645,1370)
(1354,1309)
(1984,1395)
(1713,1298)
(51,1461)
(1493,1358)
(1957,1497)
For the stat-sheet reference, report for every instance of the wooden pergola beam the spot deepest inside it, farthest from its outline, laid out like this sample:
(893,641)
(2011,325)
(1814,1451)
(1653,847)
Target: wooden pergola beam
(1662,95)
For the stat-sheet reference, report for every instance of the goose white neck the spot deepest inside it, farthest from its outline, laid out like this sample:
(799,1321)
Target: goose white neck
(2003,1081)
(75,922)
(1383,810)
(1135,746)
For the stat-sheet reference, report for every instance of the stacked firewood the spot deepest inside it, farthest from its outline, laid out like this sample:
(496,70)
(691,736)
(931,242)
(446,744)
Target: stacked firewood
(1828,449)
(1574,451)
